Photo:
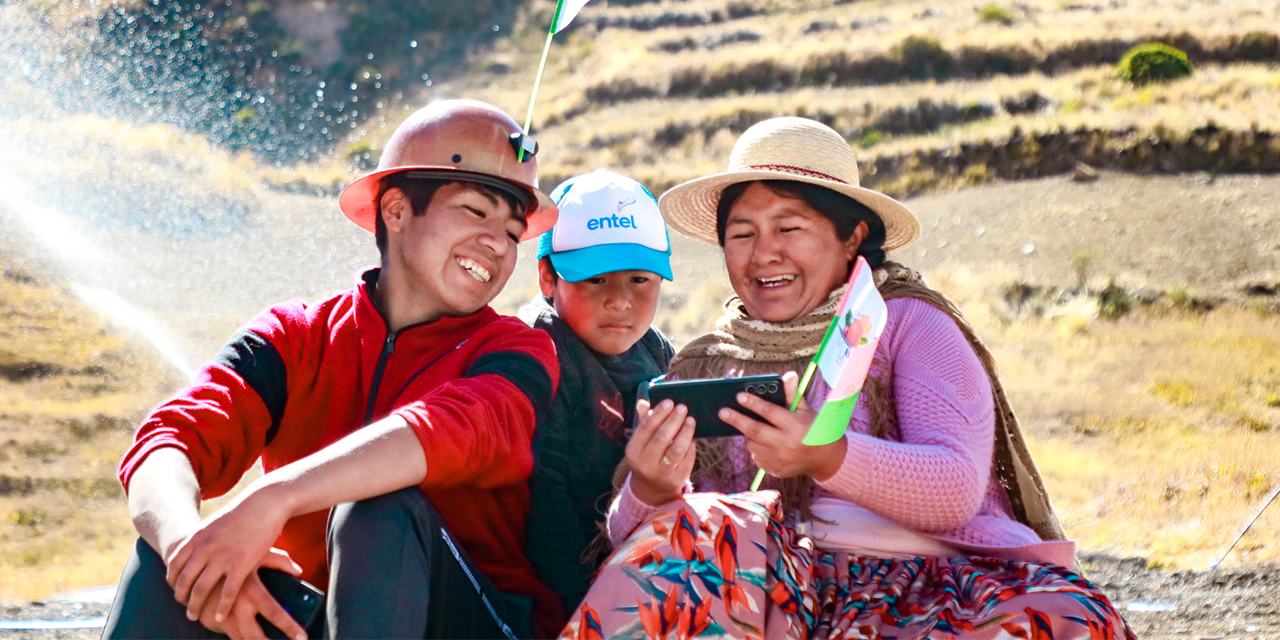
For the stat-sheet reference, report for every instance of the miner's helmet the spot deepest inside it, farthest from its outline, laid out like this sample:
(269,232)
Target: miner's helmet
(463,140)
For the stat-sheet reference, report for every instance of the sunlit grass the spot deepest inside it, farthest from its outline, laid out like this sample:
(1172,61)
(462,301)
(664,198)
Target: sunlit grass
(1154,432)
(63,524)
(618,52)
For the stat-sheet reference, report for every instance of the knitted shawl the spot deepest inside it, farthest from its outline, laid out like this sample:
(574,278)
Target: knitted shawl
(742,345)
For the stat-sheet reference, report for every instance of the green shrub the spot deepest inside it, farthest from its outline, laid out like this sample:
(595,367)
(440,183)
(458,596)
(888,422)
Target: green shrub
(1182,297)
(870,138)
(1082,264)
(924,58)
(1153,62)
(247,116)
(361,155)
(1259,45)
(995,13)
(1114,302)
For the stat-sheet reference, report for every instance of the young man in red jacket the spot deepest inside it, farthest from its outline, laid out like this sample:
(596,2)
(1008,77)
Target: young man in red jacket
(407,401)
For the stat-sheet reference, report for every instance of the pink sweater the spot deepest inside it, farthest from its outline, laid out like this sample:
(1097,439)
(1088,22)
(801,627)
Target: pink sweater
(936,479)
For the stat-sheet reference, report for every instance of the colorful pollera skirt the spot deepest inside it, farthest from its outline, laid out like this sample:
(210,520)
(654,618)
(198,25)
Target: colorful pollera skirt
(715,565)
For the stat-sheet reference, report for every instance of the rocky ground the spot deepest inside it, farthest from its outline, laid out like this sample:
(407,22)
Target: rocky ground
(1223,604)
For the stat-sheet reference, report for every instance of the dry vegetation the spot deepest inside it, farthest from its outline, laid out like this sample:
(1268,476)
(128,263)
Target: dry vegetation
(1156,433)
(607,100)
(72,389)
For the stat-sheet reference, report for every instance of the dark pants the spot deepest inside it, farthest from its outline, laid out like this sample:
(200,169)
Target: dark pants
(395,572)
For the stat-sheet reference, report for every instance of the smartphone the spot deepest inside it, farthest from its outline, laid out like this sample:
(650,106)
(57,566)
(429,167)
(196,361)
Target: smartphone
(705,397)
(301,600)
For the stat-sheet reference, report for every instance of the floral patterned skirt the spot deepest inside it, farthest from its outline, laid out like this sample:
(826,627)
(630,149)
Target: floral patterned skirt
(715,565)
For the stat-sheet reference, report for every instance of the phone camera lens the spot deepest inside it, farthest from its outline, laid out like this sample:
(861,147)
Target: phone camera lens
(773,387)
(751,388)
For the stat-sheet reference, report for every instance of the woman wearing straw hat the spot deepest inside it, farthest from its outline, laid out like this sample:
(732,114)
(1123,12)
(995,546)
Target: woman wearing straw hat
(928,519)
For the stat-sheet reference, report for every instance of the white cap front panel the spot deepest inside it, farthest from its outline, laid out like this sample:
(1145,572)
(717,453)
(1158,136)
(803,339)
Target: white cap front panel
(603,207)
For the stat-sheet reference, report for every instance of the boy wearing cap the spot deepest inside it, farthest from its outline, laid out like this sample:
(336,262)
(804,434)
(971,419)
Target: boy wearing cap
(406,400)
(599,269)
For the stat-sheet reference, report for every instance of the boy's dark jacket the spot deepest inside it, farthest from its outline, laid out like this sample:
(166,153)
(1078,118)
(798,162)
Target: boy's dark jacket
(578,445)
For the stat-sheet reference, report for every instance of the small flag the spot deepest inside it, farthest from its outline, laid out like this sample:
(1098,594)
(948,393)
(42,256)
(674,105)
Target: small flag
(566,11)
(845,356)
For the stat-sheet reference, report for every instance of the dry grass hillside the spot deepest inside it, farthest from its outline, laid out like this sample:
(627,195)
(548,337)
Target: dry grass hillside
(72,389)
(662,89)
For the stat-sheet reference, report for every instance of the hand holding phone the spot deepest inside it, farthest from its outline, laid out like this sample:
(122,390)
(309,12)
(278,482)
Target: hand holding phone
(301,600)
(660,451)
(707,396)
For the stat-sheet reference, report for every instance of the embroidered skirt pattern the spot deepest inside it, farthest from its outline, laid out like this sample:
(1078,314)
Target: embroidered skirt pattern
(714,565)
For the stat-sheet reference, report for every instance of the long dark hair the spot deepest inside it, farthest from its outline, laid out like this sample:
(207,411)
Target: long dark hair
(843,212)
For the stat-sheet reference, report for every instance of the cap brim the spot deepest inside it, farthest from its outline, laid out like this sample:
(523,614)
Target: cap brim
(589,262)
(690,207)
(357,200)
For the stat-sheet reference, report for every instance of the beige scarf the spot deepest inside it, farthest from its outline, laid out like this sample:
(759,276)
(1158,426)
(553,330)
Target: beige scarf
(741,345)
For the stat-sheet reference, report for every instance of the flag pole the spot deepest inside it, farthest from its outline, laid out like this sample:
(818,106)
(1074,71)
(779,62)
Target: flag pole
(1246,528)
(537,81)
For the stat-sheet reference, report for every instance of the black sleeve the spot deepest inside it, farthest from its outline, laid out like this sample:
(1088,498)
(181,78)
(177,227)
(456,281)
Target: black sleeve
(521,369)
(259,364)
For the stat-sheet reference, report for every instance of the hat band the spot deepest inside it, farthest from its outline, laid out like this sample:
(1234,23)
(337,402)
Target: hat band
(790,169)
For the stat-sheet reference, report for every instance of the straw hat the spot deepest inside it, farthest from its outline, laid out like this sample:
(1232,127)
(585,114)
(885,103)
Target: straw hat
(787,148)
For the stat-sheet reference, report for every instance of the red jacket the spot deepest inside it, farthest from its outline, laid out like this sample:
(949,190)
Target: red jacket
(298,377)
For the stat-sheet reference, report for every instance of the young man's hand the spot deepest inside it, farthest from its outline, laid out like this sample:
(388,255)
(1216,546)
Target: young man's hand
(242,623)
(214,570)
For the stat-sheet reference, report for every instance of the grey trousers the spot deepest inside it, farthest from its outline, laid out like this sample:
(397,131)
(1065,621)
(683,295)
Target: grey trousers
(395,572)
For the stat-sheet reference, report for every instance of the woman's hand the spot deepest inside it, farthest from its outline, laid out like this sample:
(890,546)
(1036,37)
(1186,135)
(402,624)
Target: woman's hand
(209,568)
(661,452)
(776,444)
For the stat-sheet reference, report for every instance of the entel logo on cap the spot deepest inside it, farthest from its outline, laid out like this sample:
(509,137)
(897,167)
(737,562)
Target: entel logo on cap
(618,221)
(609,222)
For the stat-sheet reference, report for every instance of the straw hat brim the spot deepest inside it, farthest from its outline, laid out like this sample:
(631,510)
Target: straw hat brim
(690,207)
(357,200)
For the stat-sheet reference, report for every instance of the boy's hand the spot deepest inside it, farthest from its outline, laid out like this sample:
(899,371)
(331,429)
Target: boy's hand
(661,452)
(777,443)
(208,570)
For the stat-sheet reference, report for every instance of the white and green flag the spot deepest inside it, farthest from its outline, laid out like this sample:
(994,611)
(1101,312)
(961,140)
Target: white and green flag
(566,11)
(844,358)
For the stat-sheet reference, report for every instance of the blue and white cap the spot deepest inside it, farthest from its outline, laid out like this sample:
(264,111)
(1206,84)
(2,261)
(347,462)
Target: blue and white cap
(608,222)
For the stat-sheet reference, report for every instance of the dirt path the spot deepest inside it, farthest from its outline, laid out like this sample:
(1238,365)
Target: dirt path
(1212,234)
(1227,603)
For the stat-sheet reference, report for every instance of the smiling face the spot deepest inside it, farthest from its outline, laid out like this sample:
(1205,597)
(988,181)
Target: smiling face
(609,312)
(450,261)
(783,257)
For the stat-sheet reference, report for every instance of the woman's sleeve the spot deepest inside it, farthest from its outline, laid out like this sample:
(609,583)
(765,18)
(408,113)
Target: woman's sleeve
(935,478)
(628,512)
